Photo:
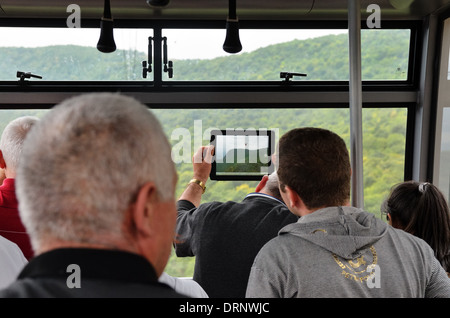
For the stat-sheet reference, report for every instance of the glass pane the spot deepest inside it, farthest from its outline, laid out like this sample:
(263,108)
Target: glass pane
(444,166)
(70,54)
(384,135)
(383,141)
(197,55)
(385,54)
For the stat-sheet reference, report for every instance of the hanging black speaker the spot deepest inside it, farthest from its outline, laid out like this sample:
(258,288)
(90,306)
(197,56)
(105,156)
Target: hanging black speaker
(106,42)
(232,42)
(158,3)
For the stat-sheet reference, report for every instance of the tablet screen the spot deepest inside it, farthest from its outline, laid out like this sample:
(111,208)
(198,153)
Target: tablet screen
(241,155)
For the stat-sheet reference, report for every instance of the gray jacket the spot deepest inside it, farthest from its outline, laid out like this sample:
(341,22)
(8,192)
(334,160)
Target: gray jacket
(346,252)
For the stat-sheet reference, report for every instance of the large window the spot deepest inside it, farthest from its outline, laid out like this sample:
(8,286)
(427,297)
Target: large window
(63,54)
(384,138)
(321,54)
(67,55)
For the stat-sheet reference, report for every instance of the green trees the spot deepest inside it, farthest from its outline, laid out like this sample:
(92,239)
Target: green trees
(71,63)
(384,133)
(384,56)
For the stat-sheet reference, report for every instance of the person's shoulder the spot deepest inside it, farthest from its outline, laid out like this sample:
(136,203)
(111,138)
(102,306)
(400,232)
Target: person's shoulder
(51,287)
(188,205)
(405,236)
(11,250)
(410,241)
(184,286)
(278,243)
(185,205)
(24,288)
(219,205)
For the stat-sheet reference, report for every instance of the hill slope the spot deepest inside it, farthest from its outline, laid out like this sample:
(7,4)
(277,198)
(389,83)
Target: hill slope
(384,56)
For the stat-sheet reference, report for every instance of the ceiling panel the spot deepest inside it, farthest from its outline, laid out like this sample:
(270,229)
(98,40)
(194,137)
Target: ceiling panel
(217,9)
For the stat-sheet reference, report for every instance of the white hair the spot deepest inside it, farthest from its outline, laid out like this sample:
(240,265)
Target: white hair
(272,185)
(84,164)
(12,140)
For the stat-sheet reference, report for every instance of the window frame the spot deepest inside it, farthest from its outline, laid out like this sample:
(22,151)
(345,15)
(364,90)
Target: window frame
(160,85)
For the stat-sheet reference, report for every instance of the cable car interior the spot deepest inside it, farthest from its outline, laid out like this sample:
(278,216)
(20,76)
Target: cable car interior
(376,72)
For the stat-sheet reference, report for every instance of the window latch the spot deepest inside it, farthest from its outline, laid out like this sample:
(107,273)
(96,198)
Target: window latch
(287,76)
(22,76)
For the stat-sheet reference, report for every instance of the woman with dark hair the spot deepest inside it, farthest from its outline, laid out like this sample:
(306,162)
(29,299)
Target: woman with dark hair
(420,208)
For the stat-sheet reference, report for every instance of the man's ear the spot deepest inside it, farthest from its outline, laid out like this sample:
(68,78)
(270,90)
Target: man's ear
(142,210)
(292,196)
(2,161)
(295,202)
(262,183)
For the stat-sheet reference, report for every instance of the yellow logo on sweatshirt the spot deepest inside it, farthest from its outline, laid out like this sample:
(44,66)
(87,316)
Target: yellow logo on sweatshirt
(356,269)
(359,261)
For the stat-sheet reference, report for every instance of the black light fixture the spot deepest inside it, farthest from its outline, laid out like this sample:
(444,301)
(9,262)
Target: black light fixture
(232,43)
(106,42)
(158,3)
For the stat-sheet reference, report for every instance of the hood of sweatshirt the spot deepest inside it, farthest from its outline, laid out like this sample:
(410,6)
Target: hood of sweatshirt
(344,231)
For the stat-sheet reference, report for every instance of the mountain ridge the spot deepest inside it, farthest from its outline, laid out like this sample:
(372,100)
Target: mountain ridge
(384,56)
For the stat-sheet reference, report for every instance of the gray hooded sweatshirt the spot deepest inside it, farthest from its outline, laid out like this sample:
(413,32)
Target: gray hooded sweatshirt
(346,252)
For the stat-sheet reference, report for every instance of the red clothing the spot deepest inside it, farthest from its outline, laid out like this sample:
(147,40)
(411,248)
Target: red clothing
(11,226)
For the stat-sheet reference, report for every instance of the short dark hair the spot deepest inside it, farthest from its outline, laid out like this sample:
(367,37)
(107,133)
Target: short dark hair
(315,163)
(421,209)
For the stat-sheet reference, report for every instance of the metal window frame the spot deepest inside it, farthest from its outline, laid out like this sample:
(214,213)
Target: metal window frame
(159,85)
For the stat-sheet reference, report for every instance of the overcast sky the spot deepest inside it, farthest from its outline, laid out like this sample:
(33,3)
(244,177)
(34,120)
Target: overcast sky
(182,44)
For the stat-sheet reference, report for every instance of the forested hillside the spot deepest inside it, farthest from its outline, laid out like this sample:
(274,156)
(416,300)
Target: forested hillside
(384,57)
(383,138)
